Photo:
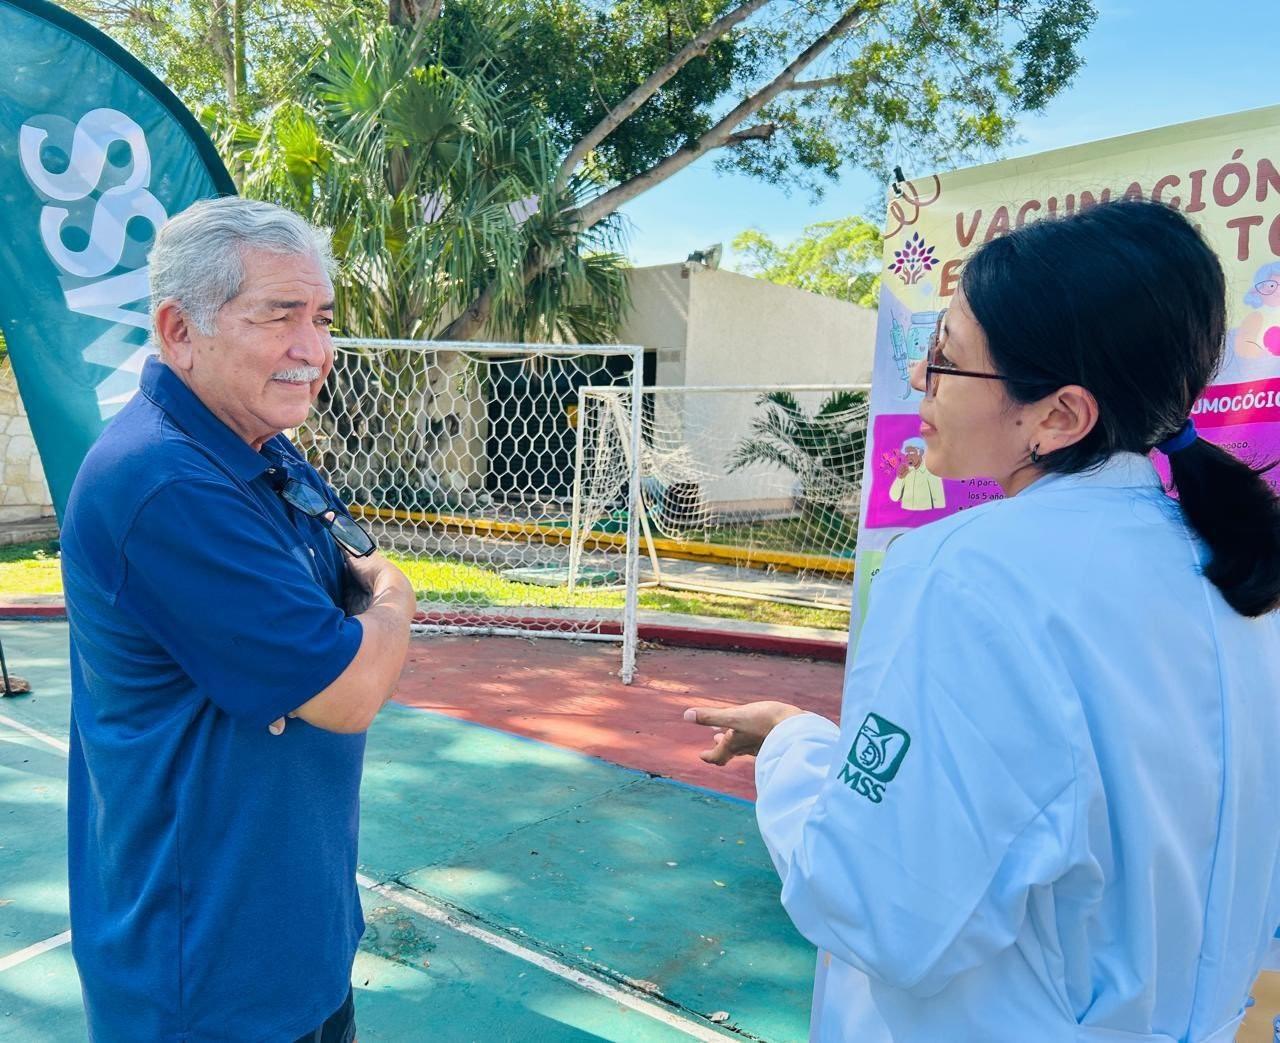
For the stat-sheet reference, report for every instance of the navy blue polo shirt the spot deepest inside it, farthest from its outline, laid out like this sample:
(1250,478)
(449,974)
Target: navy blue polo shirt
(212,864)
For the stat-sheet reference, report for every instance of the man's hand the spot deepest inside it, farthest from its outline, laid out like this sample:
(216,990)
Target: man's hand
(368,581)
(380,579)
(356,597)
(741,729)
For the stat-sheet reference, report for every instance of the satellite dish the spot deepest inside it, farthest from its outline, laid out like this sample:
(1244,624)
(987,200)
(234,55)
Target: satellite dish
(709,257)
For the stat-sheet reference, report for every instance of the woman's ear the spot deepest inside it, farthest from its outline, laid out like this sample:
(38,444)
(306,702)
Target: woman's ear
(1066,417)
(173,334)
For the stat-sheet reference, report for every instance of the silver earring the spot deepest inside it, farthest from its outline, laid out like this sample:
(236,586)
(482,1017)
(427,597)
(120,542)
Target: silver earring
(1035,454)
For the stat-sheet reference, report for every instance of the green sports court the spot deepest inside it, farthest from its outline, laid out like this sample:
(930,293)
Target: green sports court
(514,889)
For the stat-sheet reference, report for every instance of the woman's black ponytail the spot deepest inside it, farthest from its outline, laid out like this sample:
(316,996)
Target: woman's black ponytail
(1235,512)
(1128,300)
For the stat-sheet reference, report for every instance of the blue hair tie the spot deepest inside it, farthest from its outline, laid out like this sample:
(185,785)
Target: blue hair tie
(1185,435)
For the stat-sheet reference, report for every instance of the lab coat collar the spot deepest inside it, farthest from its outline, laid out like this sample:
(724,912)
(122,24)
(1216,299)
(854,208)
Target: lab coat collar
(1119,471)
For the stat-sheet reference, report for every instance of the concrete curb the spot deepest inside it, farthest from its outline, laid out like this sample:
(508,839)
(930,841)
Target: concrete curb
(712,638)
(662,634)
(33,612)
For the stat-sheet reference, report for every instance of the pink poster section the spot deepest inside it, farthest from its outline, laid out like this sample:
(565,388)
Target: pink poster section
(1244,419)
(904,492)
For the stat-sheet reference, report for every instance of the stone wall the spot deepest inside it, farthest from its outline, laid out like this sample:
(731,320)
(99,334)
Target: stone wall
(24,495)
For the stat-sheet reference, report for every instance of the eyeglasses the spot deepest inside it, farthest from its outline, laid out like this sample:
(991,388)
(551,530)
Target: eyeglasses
(350,535)
(934,368)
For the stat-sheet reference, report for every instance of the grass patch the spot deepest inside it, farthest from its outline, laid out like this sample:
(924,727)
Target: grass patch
(33,568)
(474,585)
(794,535)
(696,603)
(30,568)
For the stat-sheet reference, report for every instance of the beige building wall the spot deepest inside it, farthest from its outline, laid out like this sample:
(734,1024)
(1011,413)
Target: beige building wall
(659,317)
(24,495)
(714,328)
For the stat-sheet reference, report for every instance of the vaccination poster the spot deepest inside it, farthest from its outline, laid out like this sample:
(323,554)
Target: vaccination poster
(1223,173)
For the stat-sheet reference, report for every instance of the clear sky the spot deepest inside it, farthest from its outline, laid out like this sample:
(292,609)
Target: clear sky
(1149,63)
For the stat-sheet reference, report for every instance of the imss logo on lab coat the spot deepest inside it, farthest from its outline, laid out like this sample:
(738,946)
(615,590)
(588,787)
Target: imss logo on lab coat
(876,755)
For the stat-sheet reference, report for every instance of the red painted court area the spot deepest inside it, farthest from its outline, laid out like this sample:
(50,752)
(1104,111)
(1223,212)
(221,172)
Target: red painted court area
(568,693)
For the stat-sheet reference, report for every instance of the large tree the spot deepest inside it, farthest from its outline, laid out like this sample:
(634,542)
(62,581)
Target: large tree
(634,91)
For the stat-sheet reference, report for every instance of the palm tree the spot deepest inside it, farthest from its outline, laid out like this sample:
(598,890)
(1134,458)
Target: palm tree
(435,188)
(824,451)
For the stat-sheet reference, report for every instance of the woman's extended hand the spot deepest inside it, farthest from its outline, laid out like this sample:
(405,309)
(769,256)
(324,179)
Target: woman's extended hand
(741,729)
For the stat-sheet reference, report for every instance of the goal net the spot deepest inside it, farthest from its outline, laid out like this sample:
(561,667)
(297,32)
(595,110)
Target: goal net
(461,461)
(744,491)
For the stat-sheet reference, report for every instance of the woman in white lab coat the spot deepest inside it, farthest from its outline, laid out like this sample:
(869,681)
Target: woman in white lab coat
(1050,810)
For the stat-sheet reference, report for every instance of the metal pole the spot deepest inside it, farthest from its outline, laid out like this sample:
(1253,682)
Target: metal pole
(575,541)
(630,619)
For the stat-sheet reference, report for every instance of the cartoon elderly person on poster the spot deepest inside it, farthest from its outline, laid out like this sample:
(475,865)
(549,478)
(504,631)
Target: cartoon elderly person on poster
(916,487)
(1259,334)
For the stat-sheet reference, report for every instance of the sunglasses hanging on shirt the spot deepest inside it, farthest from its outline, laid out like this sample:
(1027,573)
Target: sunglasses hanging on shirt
(348,534)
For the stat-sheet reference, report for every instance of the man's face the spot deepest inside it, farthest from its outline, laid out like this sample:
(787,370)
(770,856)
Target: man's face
(914,457)
(262,367)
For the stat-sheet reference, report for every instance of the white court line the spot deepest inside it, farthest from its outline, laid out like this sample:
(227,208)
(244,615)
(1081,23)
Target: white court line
(48,740)
(32,951)
(404,897)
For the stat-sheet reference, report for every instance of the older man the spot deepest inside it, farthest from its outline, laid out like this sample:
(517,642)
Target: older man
(916,487)
(213,849)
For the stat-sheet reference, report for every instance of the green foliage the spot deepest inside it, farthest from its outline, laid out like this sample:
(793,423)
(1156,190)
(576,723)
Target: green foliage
(416,166)
(928,86)
(925,85)
(366,127)
(192,46)
(834,258)
(575,60)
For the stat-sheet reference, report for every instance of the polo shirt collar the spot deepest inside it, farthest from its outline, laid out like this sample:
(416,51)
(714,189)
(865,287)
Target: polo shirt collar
(162,386)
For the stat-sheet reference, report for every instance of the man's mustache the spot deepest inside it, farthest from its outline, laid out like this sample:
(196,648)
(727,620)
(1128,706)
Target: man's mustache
(300,374)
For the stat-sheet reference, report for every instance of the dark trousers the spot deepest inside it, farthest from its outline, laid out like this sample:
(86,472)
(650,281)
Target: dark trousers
(339,1027)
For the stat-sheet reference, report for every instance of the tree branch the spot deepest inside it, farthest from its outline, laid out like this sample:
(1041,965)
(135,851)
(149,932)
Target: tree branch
(620,112)
(817,85)
(760,132)
(403,13)
(222,43)
(718,136)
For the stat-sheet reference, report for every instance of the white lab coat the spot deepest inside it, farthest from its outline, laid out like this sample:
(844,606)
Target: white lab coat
(1077,839)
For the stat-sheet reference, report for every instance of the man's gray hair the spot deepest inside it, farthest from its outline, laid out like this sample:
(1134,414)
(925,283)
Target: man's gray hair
(198,257)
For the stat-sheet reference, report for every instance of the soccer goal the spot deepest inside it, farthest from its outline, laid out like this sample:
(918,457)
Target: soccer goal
(745,491)
(461,460)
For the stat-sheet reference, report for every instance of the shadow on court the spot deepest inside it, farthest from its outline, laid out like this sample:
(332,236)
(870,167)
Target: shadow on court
(513,889)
